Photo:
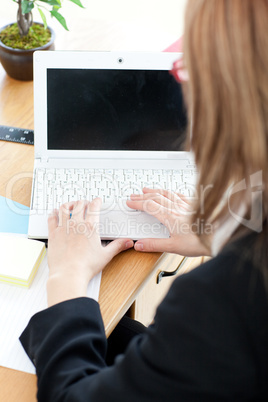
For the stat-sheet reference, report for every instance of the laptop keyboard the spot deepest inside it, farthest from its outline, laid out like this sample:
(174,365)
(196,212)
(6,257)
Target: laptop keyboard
(53,187)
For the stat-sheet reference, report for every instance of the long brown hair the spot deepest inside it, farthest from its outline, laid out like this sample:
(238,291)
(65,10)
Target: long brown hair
(226,56)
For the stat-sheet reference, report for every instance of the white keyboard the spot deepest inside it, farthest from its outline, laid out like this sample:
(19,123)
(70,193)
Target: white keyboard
(53,187)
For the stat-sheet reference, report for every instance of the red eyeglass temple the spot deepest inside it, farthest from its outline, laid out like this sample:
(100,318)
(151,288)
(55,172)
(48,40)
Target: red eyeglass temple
(178,71)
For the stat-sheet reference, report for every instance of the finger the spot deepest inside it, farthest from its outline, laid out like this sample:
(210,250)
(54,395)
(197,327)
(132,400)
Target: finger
(171,195)
(155,196)
(64,213)
(183,197)
(181,202)
(152,208)
(139,205)
(78,210)
(93,211)
(162,214)
(117,246)
(53,221)
(154,245)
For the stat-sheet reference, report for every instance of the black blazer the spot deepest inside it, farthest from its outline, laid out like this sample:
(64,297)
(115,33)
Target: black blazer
(209,342)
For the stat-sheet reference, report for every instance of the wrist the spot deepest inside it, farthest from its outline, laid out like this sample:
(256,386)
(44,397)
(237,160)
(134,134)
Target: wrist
(61,288)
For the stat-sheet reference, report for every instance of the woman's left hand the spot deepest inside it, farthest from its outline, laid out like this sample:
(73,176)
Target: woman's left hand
(75,252)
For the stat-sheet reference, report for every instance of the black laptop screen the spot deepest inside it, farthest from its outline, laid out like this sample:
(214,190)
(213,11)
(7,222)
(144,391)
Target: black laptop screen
(114,110)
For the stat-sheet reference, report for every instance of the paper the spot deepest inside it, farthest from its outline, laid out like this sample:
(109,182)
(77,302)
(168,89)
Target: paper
(19,259)
(18,305)
(14,217)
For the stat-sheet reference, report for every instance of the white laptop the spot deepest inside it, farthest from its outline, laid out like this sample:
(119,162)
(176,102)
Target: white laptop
(107,124)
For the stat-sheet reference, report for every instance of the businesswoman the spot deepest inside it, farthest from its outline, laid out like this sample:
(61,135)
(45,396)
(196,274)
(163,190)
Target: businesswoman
(209,340)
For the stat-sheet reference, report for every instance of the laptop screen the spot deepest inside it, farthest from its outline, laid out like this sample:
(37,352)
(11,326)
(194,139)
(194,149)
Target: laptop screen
(98,109)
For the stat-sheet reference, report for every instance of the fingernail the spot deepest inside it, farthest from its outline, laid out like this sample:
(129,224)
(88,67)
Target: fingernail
(139,246)
(129,244)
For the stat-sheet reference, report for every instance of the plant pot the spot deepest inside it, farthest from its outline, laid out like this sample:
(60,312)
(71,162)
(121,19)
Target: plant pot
(18,63)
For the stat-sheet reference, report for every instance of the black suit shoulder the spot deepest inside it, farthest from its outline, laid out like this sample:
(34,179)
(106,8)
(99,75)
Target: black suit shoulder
(220,315)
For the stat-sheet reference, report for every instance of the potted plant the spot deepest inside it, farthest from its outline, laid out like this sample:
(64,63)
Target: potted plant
(19,40)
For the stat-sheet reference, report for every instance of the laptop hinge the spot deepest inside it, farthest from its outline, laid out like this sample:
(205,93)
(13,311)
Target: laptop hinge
(44,160)
(41,159)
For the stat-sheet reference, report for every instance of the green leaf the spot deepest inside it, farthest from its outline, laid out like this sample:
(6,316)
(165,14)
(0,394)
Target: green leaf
(60,18)
(43,17)
(52,2)
(26,6)
(78,2)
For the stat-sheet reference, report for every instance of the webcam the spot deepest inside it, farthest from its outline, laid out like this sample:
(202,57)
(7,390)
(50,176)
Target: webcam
(120,60)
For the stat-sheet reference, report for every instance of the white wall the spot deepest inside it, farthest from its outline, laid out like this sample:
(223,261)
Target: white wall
(128,24)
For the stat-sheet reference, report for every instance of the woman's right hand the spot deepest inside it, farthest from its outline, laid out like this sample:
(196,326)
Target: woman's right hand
(174,211)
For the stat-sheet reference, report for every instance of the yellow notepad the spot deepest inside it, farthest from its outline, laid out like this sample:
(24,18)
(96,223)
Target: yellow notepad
(19,259)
